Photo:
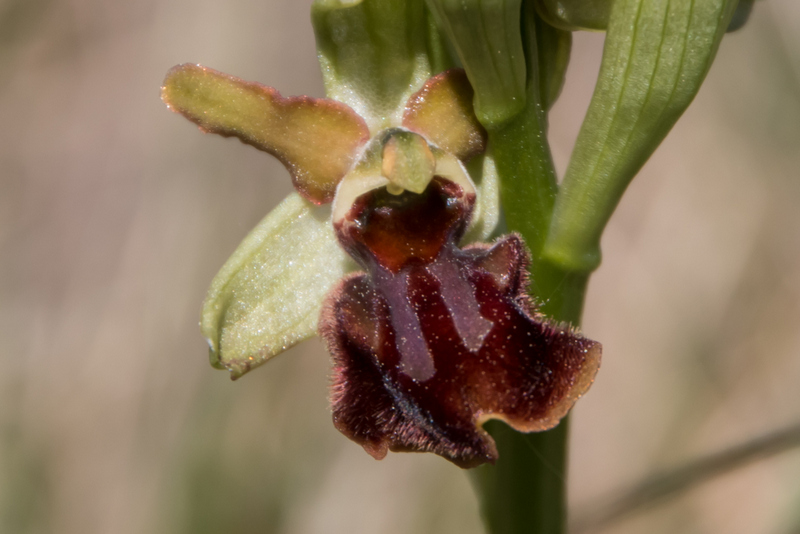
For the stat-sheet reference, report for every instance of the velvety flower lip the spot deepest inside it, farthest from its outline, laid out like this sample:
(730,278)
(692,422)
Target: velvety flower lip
(433,340)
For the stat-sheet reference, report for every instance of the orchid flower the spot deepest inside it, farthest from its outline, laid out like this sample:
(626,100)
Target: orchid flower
(429,339)
(389,249)
(383,249)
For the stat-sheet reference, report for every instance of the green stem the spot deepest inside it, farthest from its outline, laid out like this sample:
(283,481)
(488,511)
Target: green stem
(525,491)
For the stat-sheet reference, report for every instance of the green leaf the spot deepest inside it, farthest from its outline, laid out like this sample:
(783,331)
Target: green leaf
(487,37)
(656,55)
(373,54)
(267,297)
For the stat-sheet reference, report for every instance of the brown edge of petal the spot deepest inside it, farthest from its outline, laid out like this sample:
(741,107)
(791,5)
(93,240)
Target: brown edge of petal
(346,159)
(460,114)
(303,178)
(560,409)
(591,362)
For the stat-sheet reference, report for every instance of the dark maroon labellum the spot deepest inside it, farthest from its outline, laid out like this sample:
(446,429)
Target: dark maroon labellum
(434,340)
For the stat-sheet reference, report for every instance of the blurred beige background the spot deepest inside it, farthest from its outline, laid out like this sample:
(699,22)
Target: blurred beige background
(115,214)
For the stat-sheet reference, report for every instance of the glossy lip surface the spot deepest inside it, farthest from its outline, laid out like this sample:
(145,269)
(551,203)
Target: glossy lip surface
(434,340)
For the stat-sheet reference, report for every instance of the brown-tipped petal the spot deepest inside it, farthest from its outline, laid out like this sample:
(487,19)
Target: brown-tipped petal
(315,138)
(442,111)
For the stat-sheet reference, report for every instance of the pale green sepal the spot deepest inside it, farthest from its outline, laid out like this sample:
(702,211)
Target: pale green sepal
(657,54)
(487,37)
(267,297)
(373,54)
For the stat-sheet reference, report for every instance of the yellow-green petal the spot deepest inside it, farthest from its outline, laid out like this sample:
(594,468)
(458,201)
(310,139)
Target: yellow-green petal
(267,297)
(442,112)
(315,138)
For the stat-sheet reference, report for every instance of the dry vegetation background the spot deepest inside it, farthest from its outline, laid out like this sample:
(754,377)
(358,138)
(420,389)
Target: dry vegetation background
(115,214)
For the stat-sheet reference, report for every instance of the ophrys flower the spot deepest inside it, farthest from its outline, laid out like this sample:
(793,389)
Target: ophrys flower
(430,340)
